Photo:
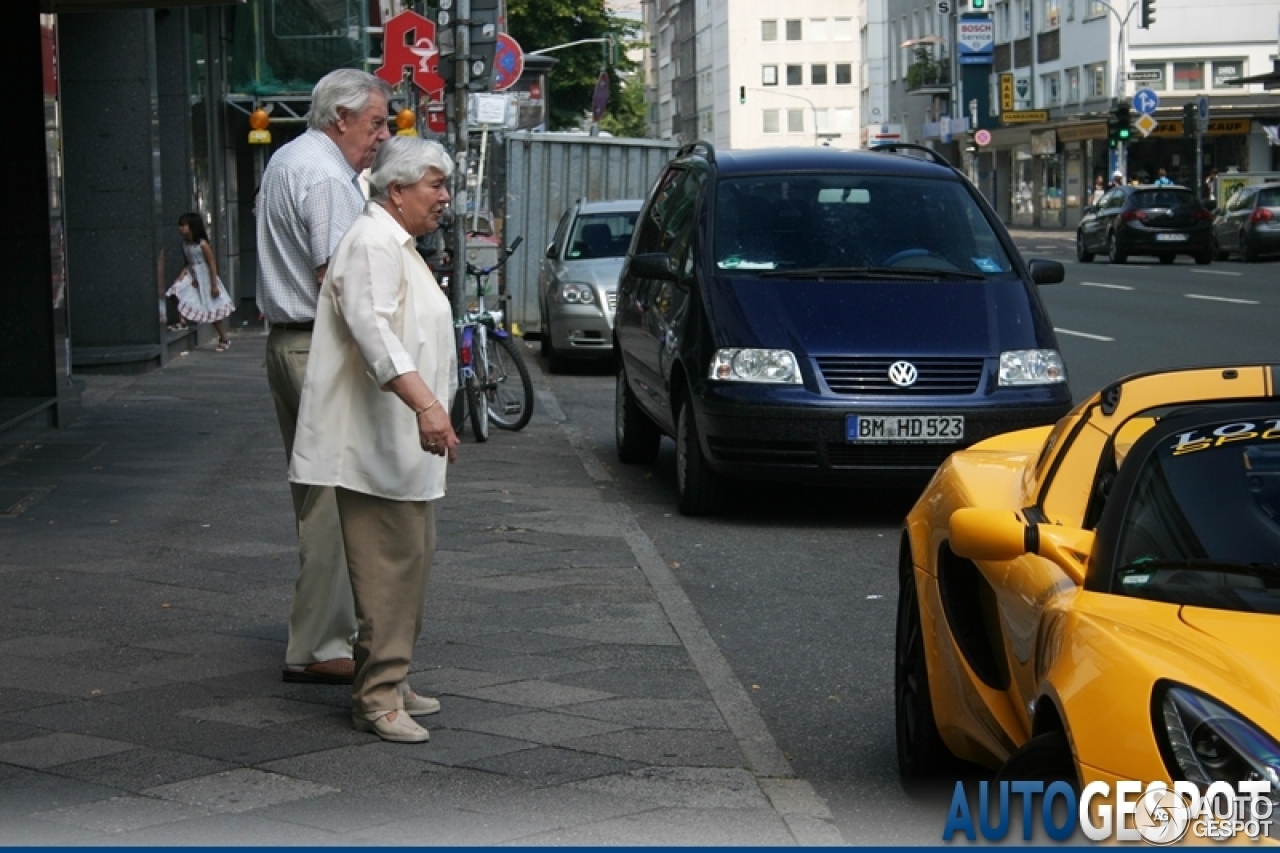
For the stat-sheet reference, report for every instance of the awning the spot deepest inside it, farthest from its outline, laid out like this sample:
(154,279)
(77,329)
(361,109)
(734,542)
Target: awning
(50,6)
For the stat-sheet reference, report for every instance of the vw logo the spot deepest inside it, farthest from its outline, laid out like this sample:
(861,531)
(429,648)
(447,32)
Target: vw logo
(903,374)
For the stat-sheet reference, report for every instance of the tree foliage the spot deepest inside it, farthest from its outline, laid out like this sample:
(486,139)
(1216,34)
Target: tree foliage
(539,24)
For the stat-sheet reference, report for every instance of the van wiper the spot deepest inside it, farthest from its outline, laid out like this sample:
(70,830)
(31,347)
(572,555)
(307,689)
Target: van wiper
(878,273)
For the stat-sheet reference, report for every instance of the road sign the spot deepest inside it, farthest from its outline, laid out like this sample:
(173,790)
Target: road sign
(1145,101)
(1151,75)
(1202,113)
(508,63)
(982,137)
(1146,124)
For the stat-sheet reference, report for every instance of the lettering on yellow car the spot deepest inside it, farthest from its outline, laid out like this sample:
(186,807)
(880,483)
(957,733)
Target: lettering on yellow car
(1195,440)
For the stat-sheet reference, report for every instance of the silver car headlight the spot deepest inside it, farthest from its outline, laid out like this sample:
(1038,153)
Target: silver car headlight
(1204,742)
(755,365)
(1032,367)
(574,293)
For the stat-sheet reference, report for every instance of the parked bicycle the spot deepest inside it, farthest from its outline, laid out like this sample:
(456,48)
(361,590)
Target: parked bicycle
(495,381)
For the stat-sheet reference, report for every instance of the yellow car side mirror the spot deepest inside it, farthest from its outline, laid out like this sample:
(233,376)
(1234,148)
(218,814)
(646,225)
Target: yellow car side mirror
(1000,535)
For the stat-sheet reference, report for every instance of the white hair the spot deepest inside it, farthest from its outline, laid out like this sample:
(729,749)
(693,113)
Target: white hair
(345,89)
(403,160)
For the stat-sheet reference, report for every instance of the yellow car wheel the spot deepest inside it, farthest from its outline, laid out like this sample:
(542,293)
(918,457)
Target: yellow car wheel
(923,758)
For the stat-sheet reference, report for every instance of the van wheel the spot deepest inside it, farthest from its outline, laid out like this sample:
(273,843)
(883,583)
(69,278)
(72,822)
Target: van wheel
(700,490)
(1083,255)
(1113,250)
(636,436)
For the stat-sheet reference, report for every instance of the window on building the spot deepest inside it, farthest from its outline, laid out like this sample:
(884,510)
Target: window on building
(844,74)
(818,75)
(1158,84)
(843,119)
(794,31)
(1004,26)
(1188,76)
(768,31)
(770,121)
(795,121)
(1073,85)
(820,121)
(769,75)
(1227,70)
(1096,79)
(795,75)
(1022,13)
(1049,84)
(842,29)
(818,29)
(1051,12)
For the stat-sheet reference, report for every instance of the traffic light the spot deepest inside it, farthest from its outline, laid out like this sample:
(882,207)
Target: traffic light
(1189,120)
(1147,14)
(742,94)
(1118,119)
(978,5)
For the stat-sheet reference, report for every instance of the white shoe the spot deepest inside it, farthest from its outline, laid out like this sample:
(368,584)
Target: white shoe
(415,705)
(401,730)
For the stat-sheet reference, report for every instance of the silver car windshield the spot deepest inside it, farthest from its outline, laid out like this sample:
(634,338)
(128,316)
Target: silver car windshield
(851,224)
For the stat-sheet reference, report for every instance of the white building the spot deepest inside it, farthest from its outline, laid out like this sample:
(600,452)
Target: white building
(752,74)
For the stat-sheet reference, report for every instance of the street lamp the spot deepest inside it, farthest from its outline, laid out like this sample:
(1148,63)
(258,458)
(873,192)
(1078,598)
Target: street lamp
(812,105)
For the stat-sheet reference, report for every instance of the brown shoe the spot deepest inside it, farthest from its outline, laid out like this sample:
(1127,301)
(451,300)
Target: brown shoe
(336,671)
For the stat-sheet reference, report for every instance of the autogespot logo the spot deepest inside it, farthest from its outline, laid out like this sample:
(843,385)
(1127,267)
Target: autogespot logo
(1154,812)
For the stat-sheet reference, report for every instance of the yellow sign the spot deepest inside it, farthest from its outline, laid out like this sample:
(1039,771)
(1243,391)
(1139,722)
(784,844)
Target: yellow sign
(1023,116)
(1217,127)
(1075,133)
(1006,92)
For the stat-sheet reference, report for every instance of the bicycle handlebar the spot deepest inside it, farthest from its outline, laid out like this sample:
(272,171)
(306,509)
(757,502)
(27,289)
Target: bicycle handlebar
(502,259)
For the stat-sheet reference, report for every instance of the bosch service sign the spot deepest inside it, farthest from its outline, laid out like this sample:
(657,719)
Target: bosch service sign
(975,37)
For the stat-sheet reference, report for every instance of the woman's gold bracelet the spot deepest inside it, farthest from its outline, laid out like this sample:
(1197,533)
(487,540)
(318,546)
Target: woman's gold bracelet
(426,408)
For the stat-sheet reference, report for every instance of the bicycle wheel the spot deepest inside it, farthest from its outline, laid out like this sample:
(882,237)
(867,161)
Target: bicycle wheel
(509,389)
(476,383)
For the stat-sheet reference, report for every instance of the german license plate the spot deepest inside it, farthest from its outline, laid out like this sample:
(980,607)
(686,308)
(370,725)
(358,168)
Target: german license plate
(884,429)
(1171,238)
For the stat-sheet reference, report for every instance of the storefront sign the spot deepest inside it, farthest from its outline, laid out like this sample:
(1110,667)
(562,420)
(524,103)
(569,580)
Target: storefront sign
(1006,92)
(1078,132)
(1024,116)
(975,38)
(1044,142)
(1217,127)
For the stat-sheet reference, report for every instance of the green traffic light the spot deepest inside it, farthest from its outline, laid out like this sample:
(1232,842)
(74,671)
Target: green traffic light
(977,4)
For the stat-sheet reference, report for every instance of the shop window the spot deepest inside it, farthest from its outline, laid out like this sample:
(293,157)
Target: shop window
(1224,71)
(1188,76)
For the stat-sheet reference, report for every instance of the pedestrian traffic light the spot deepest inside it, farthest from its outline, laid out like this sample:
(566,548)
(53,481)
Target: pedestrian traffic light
(1118,119)
(978,5)
(1147,14)
(1189,121)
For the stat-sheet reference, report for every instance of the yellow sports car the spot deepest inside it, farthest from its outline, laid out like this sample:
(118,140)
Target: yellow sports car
(1099,600)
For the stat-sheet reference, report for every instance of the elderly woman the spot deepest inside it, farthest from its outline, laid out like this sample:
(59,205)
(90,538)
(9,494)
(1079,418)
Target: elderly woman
(374,422)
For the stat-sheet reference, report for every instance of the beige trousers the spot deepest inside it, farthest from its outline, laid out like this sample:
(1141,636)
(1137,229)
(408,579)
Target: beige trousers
(322,622)
(390,545)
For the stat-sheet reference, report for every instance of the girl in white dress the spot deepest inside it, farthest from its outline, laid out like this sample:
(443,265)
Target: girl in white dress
(200,293)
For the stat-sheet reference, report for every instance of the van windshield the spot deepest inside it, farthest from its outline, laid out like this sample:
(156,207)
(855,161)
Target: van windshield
(852,223)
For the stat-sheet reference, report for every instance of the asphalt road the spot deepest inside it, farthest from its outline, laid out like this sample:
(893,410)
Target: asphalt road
(798,587)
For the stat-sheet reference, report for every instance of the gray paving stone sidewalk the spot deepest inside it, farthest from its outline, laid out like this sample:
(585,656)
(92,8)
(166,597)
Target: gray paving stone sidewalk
(147,556)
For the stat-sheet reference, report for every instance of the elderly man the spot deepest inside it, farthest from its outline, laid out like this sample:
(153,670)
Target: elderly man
(310,196)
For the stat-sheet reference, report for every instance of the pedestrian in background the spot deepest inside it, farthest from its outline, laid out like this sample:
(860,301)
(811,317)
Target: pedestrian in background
(200,294)
(1162,178)
(382,317)
(1099,190)
(1211,188)
(310,196)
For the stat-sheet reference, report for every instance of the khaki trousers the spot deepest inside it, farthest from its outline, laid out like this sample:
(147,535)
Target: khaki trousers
(390,545)
(322,622)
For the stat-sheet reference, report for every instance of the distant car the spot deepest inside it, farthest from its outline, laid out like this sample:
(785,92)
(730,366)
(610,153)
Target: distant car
(1163,221)
(1100,600)
(1249,225)
(824,316)
(578,280)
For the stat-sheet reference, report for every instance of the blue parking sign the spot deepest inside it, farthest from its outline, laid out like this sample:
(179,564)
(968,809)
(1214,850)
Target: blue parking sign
(1145,101)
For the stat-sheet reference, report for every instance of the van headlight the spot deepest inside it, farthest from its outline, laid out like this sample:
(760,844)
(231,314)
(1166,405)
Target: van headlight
(755,365)
(1032,367)
(574,293)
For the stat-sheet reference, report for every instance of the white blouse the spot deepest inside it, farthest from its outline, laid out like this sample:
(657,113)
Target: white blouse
(380,315)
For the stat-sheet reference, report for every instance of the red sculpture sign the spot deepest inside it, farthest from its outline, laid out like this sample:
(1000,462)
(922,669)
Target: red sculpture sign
(409,42)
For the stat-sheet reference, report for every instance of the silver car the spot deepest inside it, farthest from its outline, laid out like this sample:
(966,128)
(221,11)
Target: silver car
(578,280)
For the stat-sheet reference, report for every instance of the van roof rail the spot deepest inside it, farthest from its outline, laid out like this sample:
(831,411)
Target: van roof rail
(913,150)
(708,150)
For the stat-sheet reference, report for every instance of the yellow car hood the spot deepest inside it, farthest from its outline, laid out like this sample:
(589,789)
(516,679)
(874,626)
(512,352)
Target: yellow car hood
(1248,640)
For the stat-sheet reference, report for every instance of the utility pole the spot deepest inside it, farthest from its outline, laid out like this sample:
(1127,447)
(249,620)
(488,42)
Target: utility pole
(461,91)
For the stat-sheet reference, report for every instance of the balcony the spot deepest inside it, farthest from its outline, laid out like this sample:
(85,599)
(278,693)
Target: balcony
(929,77)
